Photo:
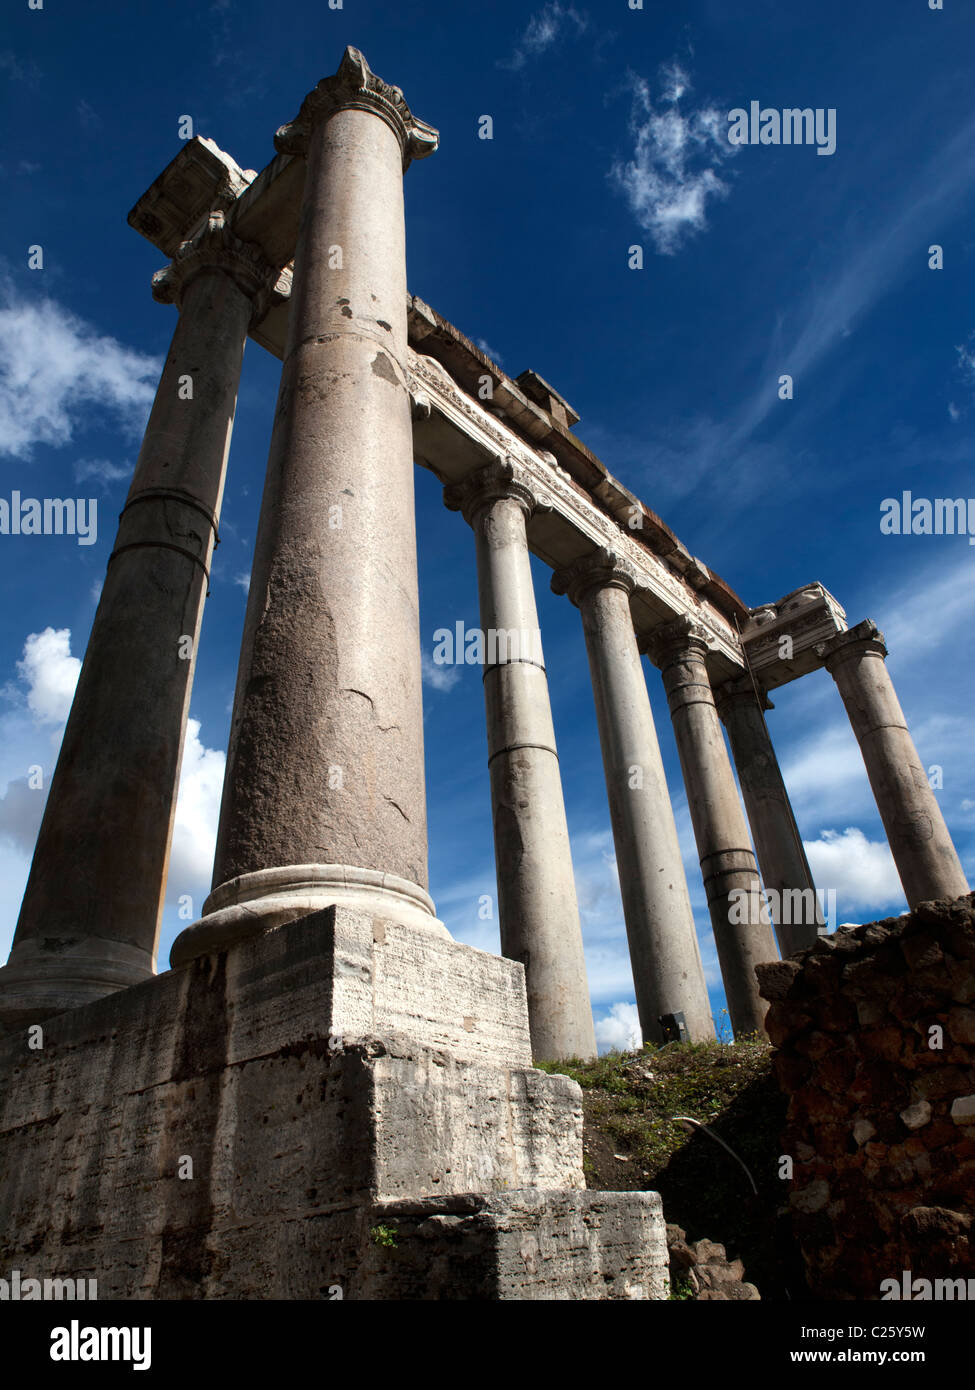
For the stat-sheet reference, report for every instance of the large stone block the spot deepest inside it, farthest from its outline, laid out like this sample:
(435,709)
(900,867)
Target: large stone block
(526,1245)
(229,1129)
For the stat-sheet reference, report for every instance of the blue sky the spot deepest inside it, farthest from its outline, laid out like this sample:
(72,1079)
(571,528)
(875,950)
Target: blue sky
(610,130)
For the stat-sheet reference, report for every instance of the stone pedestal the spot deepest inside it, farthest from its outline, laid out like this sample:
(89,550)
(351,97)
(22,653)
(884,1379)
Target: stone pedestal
(342,1103)
(739,913)
(324,792)
(778,844)
(668,976)
(539,914)
(90,917)
(919,841)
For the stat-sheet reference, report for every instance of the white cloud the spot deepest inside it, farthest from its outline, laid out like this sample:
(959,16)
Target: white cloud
(860,871)
(438,677)
(243,580)
(197,812)
(489,351)
(102,469)
(50,673)
(544,29)
(54,367)
(673,170)
(620,1029)
(47,675)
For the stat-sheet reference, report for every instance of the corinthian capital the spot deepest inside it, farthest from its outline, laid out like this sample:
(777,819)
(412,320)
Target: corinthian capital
(502,477)
(356,87)
(216,248)
(676,641)
(602,569)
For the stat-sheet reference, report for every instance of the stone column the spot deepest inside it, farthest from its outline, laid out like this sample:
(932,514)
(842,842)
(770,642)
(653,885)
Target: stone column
(667,973)
(536,890)
(919,841)
(323,798)
(90,917)
(797,913)
(739,913)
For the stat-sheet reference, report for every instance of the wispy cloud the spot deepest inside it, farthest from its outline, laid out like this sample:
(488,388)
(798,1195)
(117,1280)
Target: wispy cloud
(489,351)
(88,116)
(55,368)
(673,170)
(824,315)
(438,677)
(103,470)
(544,29)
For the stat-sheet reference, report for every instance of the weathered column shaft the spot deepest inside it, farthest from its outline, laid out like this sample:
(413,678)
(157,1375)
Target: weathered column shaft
(796,911)
(90,917)
(919,841)
(731,879)
(539,914)
(668,976)
(324,793)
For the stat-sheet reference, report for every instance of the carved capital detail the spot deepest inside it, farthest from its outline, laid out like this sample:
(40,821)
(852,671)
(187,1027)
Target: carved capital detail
(676,641)
(502,477)
(740,690)
(865,637)
(603,569)
(356,87)
(214,247)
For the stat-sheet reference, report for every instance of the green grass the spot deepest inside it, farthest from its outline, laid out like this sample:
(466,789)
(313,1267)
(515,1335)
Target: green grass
(632,1142)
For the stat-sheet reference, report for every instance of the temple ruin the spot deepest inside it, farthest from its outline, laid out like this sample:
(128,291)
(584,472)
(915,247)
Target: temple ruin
(322,1050)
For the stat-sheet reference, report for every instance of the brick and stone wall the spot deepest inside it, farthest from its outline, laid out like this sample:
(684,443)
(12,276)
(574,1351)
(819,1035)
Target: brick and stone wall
(875,1031)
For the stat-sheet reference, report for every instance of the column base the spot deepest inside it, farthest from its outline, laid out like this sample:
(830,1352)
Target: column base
(250,904)
(37,983)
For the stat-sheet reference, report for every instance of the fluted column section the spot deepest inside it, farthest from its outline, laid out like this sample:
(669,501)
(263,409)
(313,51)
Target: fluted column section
(797,913)
(90,918)
(926,859)
(728,867)
(668,977)
(323,799)
(539,914)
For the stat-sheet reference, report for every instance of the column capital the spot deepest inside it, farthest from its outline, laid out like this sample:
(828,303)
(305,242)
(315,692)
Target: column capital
(214,247)
(866,637)
(740,690)
(602,569)
(355,87)
(681,638)
(502,477)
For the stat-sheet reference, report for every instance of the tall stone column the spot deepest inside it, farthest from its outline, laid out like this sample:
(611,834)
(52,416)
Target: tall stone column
(90,917)
(919,841)
(785,870)
(667,973)
(731,879)
(323,798)
(536,890)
